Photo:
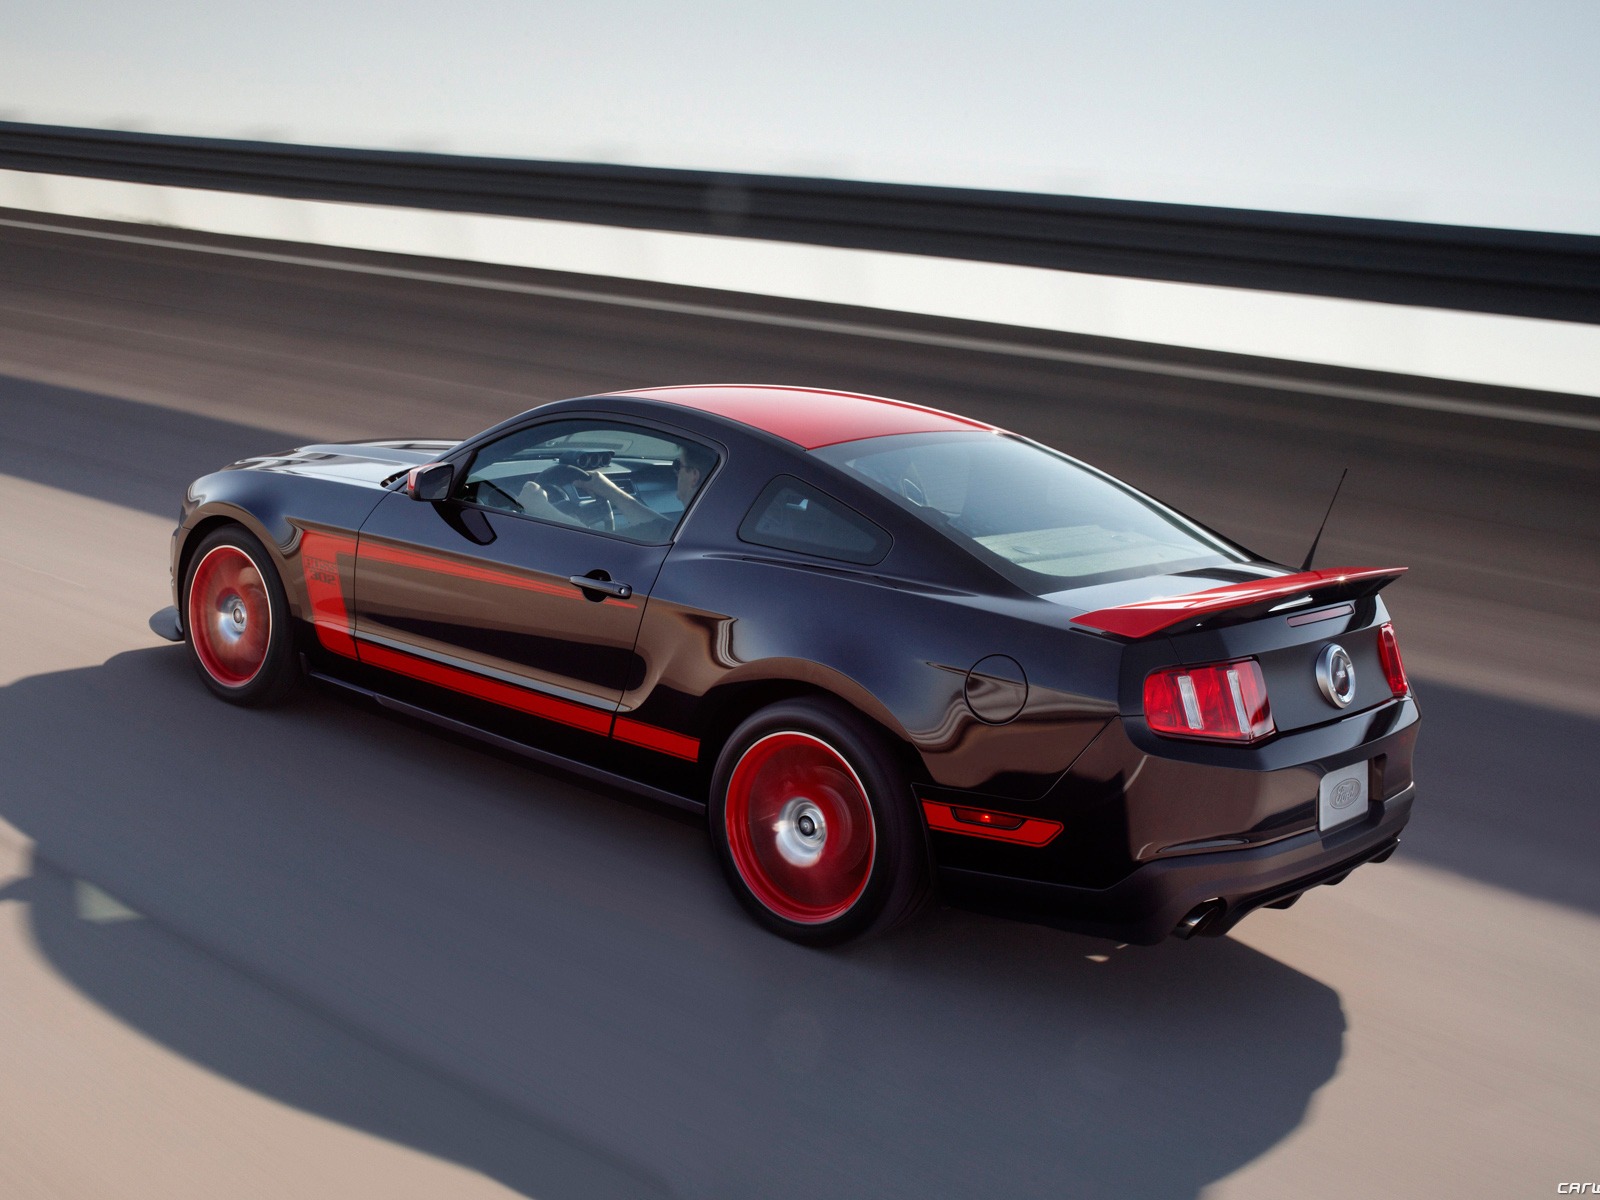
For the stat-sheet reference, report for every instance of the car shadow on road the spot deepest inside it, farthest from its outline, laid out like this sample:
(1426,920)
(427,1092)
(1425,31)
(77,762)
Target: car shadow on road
(501,968)
(228,1016)
(1505,794)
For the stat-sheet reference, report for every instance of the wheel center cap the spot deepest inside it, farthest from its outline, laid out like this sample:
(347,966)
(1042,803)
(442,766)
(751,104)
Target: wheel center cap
(801,832)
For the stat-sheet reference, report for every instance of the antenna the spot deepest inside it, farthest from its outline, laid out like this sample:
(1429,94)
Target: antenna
(1311,553)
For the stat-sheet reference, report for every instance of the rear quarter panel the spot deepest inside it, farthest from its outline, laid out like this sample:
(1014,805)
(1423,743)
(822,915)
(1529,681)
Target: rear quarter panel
(726,623)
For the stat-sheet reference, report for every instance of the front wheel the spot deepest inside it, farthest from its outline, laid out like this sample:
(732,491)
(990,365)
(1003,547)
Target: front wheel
(236,619)
(813,824)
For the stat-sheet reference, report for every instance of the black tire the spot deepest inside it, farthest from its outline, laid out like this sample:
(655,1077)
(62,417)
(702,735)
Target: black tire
(813,823)
(231,591)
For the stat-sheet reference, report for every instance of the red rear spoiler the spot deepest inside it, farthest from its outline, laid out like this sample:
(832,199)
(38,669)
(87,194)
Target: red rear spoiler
(1145,617)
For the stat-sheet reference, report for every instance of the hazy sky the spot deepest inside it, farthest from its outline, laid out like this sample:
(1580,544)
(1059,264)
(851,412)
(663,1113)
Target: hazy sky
(1476,112)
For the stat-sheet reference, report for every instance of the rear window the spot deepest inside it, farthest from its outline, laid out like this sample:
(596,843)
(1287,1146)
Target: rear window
(1045,520)
(790,515)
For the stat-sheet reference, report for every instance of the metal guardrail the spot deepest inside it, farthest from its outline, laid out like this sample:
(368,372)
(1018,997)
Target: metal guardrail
(1513,272)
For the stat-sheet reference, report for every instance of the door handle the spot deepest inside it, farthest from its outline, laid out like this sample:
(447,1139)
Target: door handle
(597,581)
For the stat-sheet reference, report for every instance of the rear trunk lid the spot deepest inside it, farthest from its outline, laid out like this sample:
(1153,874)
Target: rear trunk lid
(1286,621)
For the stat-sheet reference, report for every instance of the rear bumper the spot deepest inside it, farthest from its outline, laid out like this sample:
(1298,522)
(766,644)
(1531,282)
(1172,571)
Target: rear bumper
(1149,905)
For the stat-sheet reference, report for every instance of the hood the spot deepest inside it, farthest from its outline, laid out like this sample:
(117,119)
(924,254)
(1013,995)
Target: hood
(368,463)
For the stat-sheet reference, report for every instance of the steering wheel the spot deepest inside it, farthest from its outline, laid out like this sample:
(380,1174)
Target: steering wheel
(557,483)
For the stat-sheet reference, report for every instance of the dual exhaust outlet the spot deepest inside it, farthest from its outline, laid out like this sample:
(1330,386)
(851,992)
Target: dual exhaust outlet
(1210,918)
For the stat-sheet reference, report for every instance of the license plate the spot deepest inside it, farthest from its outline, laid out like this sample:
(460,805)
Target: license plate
(1343,796)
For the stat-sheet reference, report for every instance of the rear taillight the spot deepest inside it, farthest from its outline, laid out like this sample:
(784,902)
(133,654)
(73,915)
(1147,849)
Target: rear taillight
(1218,701)
(1394,670)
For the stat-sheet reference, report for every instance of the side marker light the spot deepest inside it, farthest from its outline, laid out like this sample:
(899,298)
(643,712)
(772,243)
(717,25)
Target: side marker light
(984,823)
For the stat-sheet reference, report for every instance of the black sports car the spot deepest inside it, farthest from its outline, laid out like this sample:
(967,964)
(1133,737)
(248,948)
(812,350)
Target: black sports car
(888,651)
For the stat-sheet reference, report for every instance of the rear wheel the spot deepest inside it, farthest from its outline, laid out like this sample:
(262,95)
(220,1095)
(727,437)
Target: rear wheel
(236,619)
(813,824)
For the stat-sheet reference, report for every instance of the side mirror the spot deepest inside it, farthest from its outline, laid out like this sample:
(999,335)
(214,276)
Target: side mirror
(432,481)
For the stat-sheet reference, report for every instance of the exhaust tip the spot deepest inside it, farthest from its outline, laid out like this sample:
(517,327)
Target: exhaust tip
(1200,916)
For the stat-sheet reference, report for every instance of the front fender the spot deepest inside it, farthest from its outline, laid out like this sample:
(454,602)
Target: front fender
(277,509)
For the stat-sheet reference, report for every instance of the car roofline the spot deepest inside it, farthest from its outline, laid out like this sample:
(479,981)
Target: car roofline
(810,418)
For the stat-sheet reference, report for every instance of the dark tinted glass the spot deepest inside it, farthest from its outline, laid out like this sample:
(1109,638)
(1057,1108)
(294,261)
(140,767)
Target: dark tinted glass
(1046,520)
(609,477)
(790,515)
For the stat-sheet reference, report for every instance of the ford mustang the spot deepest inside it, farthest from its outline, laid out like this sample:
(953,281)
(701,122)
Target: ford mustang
(889,652)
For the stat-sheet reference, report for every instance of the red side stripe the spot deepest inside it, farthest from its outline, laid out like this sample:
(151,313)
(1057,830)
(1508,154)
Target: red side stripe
(652,738)
(373,551)
(330,615)
(493,690)
(331,618)
(1024,831)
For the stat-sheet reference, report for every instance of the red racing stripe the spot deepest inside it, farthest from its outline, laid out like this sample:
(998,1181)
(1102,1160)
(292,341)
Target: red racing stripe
(506,695)
(438,564)
(811,417)
(536,704)
(651,737)
(330,614)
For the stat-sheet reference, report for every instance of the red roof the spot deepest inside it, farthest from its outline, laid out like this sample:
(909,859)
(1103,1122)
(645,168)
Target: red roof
(810,417)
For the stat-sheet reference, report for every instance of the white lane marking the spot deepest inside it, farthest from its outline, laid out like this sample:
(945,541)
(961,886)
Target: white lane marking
(1281,383)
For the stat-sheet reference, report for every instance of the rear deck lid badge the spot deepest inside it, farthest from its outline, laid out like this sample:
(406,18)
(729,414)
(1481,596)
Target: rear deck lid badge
(1336,675)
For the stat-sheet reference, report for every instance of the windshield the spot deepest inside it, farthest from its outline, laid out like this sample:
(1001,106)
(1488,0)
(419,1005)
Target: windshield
(1044,520)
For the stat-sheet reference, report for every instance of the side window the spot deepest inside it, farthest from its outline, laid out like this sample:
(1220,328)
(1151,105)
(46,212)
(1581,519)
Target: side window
(790,515)
(601,475)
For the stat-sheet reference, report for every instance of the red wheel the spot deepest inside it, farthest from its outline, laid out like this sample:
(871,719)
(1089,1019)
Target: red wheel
(230,618)
(812,820)
(236,619)
(800,827)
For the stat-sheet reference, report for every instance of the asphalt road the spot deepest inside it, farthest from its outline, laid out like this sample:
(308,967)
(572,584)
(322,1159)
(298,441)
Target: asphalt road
(318,951)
